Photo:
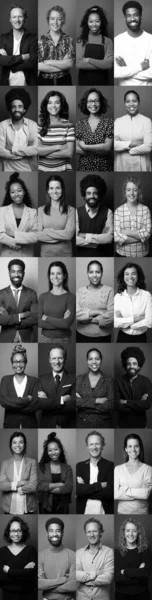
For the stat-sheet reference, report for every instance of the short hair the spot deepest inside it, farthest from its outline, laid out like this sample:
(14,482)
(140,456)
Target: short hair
(92,180)
(93,520)
(94,350)
(19,349)
(83,102)
(24,529)
(18,434)
(16,261)
(138,185)
(131,92)
(58,9)
(17,94)
(95,433)
(24,11)
(92,263)
(134,352)
(134,436)
(120,277)
(59,347)
(132,4)
(54,520)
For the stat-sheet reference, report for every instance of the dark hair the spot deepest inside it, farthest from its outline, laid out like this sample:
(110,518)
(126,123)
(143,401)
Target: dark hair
(54,520)
(132,4)
(83,102)
(18,349)
(17,94)
(94,350)
(24,529)
(93,520)
(96,181)
(95,433)
(132,352)
(45,458)
(84,23)
(60,347)
(142,543)
(58,9)
(134,436)
(131,92)
(62,202)
(24,11)
(62,266)
(18,434)
(44,118)
(92,263)
(16,261)
(120,277)
(15,178)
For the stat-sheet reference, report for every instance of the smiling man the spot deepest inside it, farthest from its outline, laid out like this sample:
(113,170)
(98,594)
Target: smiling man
(95,479)
(18,135)
(94,564)
(56,571)
(18,307)
(94,220)
(133,392)
(133,49)
(18,51)
(56,396)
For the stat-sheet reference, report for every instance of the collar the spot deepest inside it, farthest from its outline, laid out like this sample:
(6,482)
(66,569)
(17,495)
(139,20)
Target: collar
(25,122)
(138,290)
(60,374)
(61,35)
(14,289)
(99,547)
(90,210)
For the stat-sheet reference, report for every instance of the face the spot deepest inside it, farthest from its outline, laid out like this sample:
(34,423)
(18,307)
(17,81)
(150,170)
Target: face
(132,449)
(133,19)
(16,193)
(131,276)
(94,446)
(56,360)
(131,533)
(131,192)
(56,276)
(18,445)
(15,532)
(55,190)
(132,366)
(55,534)
(53,451)
(92,197)
(18,364)
(54,106)
(95,274)
(94,23)
(17,18)
(132,104)
(94,361)
(17,110)
(93,533)
(16,274)
(93,103)
(55,21)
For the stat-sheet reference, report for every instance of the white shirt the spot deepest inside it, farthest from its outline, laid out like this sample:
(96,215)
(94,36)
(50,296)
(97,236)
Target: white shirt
(132,489)
(17,78)
(129,128)
(18,501)
(134,51)
(13,290)
(94,506)
(139,304)
(20,387)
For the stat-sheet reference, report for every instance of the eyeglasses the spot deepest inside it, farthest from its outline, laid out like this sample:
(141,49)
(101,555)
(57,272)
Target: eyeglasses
(15,531)
(18,362)
(93,102)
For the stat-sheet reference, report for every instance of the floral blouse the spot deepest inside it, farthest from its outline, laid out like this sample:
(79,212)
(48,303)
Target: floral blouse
(92,161)
(48,51)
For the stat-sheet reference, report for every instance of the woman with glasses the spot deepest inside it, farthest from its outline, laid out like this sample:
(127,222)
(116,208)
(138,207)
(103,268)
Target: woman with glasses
(18,393)
(18,478)
(18,573)
(94,133)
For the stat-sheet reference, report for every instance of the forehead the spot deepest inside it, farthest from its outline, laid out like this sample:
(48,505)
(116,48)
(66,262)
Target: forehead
(15,525)
(17,101)
(95,266)
(54,526)
(91,188)
(94,439)
(130,270)
(94,354)
(131,96)
(55,14)
(132,11)
(94,15)
(92,526)
(18,356)
(52,445)
(93,95)
(54,98)
(15,12)
(16,268)
(56,353)
(15,185)
(131,184)
(131,526)
(132,441)
(132,358)
(18,438)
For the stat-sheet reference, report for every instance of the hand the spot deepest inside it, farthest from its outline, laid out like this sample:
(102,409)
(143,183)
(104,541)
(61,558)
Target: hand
(120,61)
(67,314)
(86,59)
(80,480)
(44,317)
(25,56)
(66,398)
(135,143)
(138,318)
(122,401)
(3,310)
(101,400)
(92,575)
(122,572)
(118,313)
(3,52)
(144,397)
(42,394)
(142,566)
(25,314)
(20,491)
(145,64)
(30,565)
(104,484)
(29,397)
(6,568)
(78,395)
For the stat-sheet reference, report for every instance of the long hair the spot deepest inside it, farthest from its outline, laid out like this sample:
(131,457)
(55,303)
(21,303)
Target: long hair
(138,185)
(45,457)
(120,277)
(61,265)
(63,208)
(83,38)
(15,178)
(134,436)
(44,117)
(142,543)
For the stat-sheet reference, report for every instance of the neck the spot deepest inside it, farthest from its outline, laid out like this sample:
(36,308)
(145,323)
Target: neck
(131,290)
(54,203)
(18,207)
(19,377)
(55,34)
(17,124)
(95,461)
(54,119)
(18,457)
(57,289)
(94,547)
(133,205)
(131,546)
(134,34)
(133,461)
(17,33)
(56,548)
(97,287)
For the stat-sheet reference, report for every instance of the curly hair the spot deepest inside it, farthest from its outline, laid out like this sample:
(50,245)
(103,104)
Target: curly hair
(24,11)
(94,350)
(95,433)
(131,92)
(45,457)
(63,207)
(96,181)
(61,265)
(132,351)
(15,178)
(16,261)
(18,349)
(138,185)
(54,520)
(142,543)
(44,117)
(134,436)
(93,520)
(18,94)
(84,23)
(58,9)
(120,277)
(24,529)
(15,435)
(83,102)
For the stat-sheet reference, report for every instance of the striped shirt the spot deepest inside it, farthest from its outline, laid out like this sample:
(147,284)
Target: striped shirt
(141,221)
(60,133)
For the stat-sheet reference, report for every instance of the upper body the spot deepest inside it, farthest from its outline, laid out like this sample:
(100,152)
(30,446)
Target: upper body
(133,580)
(88,395)
(139,305)
(134,51)
(94,160)
(98,49)
(19,400)
(89,299)
(97,226)
(54,401)
(57,573)
(60,133)
(24,233)
(49,51)
(102,564)
(132,490)
(56,231)
(18,579)
(92,489)
(127,129)
(10,496)
(24,140)
(54,307)
(138,395)
(141,222)
(11,319)
(14,61)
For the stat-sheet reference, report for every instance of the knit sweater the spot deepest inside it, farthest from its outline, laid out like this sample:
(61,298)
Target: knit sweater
(56,573)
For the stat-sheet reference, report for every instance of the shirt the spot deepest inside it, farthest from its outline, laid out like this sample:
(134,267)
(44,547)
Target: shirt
(59,133)
(18,501)
(90,300)
(17,78)
(20,387)
(134,51)
(56,573)
(132,413)
(129,128)
(92,240)
(47,50)
(94,506)
(27,150)
(140,304)
(141,222)
(103,563)
(132,490)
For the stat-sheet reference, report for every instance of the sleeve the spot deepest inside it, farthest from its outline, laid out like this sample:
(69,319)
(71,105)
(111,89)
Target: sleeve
(40,50)
(43,582)
(4,237)
(119,237)
(106,577)
(93,489)
(31,319)
(81,575)
(119,145)
(32,148)
(9,401)
(143,492)
(5,483)
(147,321)
(119,566)
(140,573)
(17,63)
(131,69)
(30,236)
(79,130)
(109,51)
(109,311)
(31,483)
(121,322)
(71,49)
(146,147)
(51,235)
(106,236)
(109,132)
(79,53)
(61,323)
(83,314)
(119,490)
(25,574)
(70,584)
(146,228)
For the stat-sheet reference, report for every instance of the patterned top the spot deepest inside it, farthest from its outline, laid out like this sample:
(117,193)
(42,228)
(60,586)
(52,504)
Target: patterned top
(60,133)
(47,50)
(141,221)
(92,161)
(103,389)
(90,300)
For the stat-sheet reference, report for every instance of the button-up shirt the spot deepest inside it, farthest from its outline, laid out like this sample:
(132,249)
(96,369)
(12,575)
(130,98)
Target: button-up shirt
(140,304)
(141,222)
(47,50)
(26,148)
(103,563)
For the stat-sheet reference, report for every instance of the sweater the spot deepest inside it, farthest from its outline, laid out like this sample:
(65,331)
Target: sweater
(135,580)
(56,573)
(54,307)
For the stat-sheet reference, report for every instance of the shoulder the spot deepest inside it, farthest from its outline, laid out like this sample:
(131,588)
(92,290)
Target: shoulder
(70,553)
(31,123)
(41,210)
(70,296)
(81,378)
(7,378)
(32,211)
(44,296)
(30,461)
(108,551)
(82,291)
(68,38)
(145,120)
(28,290)
(80,552)
(143,379)
(82,464)
(32,379)
(46,377)
(145,293)
(107,463)
(106,289)
(71,210)
(120,38)
(4,124)
(147,36)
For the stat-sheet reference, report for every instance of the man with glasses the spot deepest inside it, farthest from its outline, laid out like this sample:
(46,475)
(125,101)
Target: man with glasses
(133,49)
(18,393)
(18,307)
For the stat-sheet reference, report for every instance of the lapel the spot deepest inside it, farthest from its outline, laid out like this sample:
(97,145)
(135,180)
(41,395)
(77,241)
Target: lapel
(11,300)
(10,218)
(62,382)
(11,467)
(88,385)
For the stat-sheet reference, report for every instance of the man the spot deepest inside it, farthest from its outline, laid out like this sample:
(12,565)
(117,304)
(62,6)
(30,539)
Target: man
(133,392)
(94,564)
(94,221)
(57,392)
(56,574)
(95,479)
(18,135)
(18,51)
(18,307)
(133,49)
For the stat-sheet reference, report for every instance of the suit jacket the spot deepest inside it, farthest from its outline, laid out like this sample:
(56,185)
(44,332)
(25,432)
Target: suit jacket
(16,63)
(24,234)
(94,491)
(54,413)
(19,412)
(10,321)
(29,475)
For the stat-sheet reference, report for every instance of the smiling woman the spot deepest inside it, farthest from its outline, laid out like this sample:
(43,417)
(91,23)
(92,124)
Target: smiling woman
(132,305)
(133,137)
(133,479)
(18,220)
(55,51)
(18,478)
(18,562)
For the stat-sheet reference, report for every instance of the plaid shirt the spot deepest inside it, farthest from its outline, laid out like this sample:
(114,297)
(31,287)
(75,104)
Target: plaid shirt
(141,221)
(48,51)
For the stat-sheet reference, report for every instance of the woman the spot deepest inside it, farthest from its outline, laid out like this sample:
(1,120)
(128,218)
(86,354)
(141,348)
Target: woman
(94,394)
(94,50)
(18,393)
(132,221)
(132,305)
(55,478)
(56,52)
(18,220)
(94,134)
(133,479)
(132,562)
(133,137)
(94,307)
(18,478)
(18,577)
(56,307)
(56,221)
(55,134)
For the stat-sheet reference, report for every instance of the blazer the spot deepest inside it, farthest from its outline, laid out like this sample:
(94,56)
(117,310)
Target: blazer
(44,478)
(94,491)
(28,475)
(16,63)
(54,413)
(25,234)
(10,321)
(19,412)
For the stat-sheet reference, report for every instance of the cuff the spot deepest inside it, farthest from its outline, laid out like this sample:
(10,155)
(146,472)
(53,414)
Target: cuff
(88,237)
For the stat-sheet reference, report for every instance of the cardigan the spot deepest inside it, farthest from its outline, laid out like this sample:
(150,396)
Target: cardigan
(45,478)
(133,412)
(25,234)
(28,475)
(19,412)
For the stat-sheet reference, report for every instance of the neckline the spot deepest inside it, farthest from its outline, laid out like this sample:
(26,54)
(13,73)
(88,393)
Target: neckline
(17,553)
(134,471)
(58,295)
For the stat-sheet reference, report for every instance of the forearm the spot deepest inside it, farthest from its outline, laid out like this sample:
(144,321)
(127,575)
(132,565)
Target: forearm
(46,584)
(104,64)
(103,148)
(45,150)
(65,63)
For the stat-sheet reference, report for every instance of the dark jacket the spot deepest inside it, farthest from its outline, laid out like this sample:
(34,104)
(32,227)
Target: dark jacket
(19,412)
(133,412)
(54,413)
(45,496)
(16,63)
(10,320)
(94,491)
